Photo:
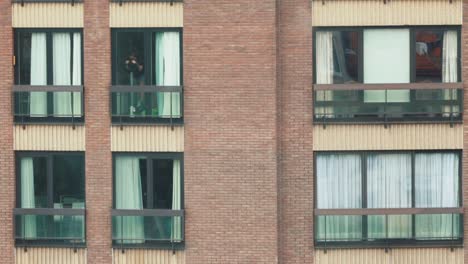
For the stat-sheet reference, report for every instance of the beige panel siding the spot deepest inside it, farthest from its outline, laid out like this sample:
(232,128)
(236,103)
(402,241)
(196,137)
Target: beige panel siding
(395,12)
(49,137)
(47,15)
(394,256)
(148,138)
(50,256)
(146,15)
(144,256)
(394,137)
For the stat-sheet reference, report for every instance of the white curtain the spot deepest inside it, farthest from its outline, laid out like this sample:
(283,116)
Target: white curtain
(339,187)
(66,74)
(324,70)
(28,197)
(389,186)
(176,205)
(386,60)
(168,72)
(129,196)
(450,68)
(38,100)
(437,185)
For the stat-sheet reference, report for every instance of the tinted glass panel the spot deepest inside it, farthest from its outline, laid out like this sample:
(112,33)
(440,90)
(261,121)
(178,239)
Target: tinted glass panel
(429,55)
(162,184)
(130,66)
(68,181)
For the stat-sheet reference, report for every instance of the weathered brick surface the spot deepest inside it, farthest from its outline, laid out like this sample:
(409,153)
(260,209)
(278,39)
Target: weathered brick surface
(97,74)
(231,135)
(464,48)
(296,176)
(7,173)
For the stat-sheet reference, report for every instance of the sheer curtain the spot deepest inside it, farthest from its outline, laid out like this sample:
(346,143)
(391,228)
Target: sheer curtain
(339,187)
(129,196)
(437,185)
(27,197)
(324,70)
(389,186)
(67,103)
(38,100)
(168,72)
(176,184)
(450,68)
(386,60)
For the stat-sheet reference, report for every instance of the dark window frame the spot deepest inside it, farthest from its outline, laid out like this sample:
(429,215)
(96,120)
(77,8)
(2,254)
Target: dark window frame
(412,30)
(48,155)
(150,78)
(150,156)
(452,118)
(49,87)
(389,242)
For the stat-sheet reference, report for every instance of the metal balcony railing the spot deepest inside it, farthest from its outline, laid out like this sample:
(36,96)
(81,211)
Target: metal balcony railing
(50,226)
(387,103)
(44,104)
(146,104)
(147,227)
(387,227)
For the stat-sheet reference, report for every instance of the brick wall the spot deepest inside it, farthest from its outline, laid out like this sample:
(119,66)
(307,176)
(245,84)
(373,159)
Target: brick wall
(7,174)
(97,70)
(296,177)
(464,48)
(230,136)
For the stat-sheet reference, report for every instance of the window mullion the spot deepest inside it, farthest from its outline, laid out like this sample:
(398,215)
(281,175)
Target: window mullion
(149,183)
(364,193)
(50,181)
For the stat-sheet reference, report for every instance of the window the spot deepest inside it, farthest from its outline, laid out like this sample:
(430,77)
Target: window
(422,64)
(381,181)
(148,192)
(46,58)
(147,75)
(51,198)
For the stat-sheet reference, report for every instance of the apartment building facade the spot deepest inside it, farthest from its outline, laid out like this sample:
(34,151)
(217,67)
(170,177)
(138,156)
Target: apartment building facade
(273,131)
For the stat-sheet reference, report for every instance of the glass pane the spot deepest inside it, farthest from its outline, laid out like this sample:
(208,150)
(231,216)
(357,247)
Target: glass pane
(130,68)
(140,104)
(443,226)
(337,57)
(130,182)
(338,228)
(162,183)
(429,55)
(389,181)
(339,181)
(386,60)
(24,58)
(68,181)
(391,226)
(50,227)
(67,104)
(33,182)
(437,180)
(146,229)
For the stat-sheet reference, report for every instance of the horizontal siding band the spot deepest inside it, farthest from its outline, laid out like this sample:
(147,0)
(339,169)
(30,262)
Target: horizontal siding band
(143,256)
(393,256)
(146,14)
(47,15)
(49,138)
(393,13)
(147,139)
(50,256)
(394,137)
